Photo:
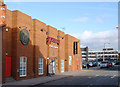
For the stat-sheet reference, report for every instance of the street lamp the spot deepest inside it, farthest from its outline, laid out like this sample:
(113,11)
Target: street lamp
(118,27)
(104,51)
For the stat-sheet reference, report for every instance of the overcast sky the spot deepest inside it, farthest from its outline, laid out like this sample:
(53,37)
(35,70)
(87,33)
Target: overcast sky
(92,22)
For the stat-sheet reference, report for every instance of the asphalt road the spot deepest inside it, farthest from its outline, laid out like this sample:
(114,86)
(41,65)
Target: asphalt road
(93,76)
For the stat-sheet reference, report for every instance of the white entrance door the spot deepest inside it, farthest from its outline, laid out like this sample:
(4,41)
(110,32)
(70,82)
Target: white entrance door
(53,67)
(62,65)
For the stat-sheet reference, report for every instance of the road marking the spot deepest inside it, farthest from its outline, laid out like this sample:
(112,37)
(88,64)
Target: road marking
(89,77)
(113,76)
(97,75)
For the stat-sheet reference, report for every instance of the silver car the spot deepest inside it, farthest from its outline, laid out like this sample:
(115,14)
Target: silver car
(104,64)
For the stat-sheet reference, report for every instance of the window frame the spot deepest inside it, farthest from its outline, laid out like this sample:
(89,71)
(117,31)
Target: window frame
(23,64)
(40,68)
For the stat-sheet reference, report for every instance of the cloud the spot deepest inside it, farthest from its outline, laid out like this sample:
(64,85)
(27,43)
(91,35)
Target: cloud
(82,19)
(96,41)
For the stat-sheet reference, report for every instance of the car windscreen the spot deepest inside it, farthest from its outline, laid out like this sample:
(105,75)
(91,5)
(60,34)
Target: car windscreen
(104,62)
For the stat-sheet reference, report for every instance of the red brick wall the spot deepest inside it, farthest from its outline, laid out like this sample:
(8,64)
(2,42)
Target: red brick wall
(53,32)
(69,40)
(37,47)
(20,20)
(40,45)
(61,49)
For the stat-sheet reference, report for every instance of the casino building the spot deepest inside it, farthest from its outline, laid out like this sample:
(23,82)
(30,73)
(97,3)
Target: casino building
(31,49)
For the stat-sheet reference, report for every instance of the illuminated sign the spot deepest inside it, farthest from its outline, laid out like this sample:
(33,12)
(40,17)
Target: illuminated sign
(2,14)
(50,39)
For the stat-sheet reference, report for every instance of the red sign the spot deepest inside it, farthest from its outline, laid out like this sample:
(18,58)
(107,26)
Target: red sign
(50,39)
(2,14)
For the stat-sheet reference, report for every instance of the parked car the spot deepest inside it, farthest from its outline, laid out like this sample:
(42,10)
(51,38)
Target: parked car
(94,64)
(114,62)
(99,63)
(90,64)
(84,65)
(117,63)
(104,64)
(110,64)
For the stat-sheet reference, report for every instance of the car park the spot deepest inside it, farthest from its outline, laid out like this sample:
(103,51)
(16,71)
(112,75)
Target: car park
(104,64)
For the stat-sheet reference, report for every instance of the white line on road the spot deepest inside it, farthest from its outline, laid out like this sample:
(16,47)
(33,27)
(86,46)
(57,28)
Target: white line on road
(113,76)
(89,77)
(97,75)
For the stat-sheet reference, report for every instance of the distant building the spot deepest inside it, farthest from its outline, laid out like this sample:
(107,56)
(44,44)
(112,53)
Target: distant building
(84,52)
(106,53)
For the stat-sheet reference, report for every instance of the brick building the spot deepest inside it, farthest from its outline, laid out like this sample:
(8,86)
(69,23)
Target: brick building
(30,48)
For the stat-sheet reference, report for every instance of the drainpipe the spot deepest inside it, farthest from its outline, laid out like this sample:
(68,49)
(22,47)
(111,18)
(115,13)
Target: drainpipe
(0,56)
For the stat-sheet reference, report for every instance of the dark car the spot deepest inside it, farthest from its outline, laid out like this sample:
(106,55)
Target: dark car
(117,63)
(84,65)
(94,64)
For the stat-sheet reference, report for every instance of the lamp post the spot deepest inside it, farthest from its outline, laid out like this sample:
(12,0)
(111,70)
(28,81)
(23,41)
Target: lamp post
(96,58)
(118,27)
(104,51)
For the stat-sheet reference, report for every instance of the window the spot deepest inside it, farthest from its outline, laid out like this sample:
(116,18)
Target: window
(62,65)
(23,66)
(40,66)
(70,60)
(75,47)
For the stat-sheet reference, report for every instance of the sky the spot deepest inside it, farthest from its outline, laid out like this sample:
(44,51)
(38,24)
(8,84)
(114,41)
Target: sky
(92,22)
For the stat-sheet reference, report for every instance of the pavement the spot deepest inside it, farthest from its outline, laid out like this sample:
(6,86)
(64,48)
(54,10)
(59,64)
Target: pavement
(92,76)
(39,80)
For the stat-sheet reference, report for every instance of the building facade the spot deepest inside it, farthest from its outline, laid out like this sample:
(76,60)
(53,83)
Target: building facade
(105,54)
(33,49)
(84,53)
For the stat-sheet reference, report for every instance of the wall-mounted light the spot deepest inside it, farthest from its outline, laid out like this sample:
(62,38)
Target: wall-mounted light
(47,32)
(58,36)
(6,29)
(6,54)
(43,29)
(63,37)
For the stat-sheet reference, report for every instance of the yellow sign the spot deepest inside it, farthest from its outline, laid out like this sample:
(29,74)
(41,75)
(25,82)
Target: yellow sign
(2,14)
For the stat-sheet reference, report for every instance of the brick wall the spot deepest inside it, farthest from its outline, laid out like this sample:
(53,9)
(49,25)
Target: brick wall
(40,49)
(53,32)
(37,47)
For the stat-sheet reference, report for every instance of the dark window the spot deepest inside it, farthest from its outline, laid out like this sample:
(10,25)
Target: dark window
(75,48)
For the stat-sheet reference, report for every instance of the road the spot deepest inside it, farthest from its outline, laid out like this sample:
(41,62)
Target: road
(93,76)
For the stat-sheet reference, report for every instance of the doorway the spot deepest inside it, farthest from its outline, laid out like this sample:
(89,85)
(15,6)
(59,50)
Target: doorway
(62,65)
(8,67)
